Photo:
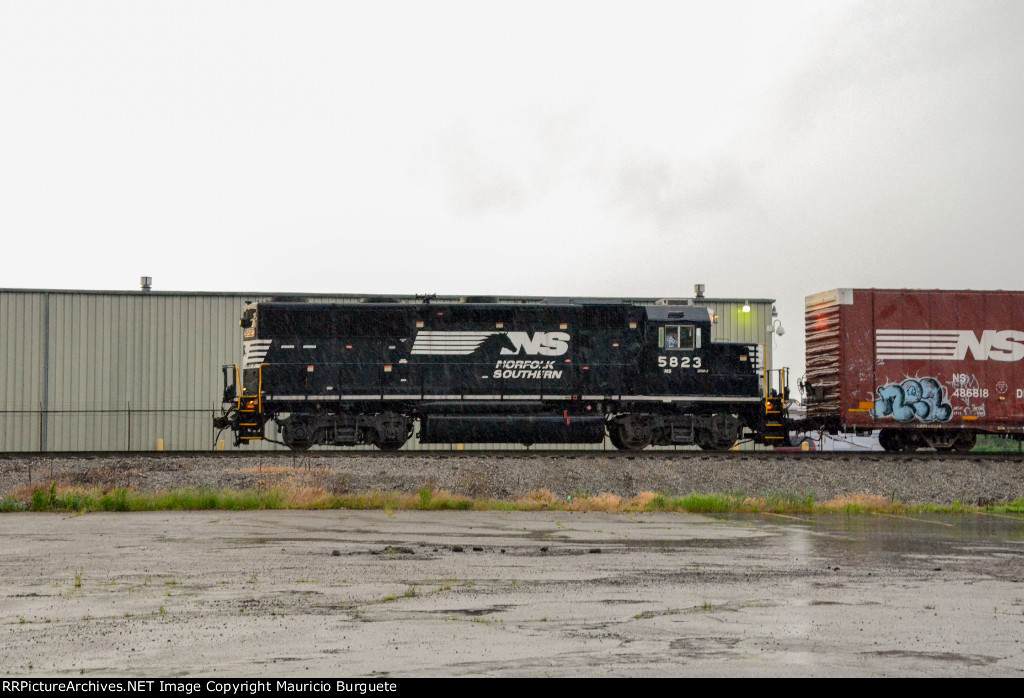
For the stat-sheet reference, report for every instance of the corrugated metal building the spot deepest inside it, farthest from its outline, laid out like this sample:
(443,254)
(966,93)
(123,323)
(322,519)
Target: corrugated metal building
(140,370)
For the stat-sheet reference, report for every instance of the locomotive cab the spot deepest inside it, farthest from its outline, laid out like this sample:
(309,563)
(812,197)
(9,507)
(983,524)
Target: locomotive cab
(680,355)
(680,359)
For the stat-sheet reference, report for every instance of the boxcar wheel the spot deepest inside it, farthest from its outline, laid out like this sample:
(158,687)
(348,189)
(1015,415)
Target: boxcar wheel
(890,440)
(965,443)
(897,441)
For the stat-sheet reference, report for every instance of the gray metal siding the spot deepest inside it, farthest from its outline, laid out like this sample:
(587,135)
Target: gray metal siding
(127,370)
(22,377)
(736,326)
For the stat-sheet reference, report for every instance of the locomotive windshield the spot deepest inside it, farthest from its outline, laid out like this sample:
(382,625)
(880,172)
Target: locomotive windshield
(681,337)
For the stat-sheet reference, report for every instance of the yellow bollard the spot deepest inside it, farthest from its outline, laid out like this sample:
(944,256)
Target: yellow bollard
(159,444)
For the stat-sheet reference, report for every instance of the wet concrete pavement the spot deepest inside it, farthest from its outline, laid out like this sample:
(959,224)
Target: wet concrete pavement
(358,593)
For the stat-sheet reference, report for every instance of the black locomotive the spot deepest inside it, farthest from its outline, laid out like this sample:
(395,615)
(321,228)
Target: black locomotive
(368,373)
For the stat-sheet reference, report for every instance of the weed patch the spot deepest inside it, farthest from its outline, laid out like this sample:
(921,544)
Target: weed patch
(63,498)
(858,504)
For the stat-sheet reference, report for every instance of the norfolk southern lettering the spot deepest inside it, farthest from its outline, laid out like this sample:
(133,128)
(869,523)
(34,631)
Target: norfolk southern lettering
(526,369)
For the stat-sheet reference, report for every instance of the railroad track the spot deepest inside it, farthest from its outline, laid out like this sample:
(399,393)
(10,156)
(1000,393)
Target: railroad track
(685,454)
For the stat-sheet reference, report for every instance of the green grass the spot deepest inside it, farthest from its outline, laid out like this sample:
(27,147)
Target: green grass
(56,499)
(777,502)
(428,499)
(703,503)
(790,502)
(997,444)
(9,503)
(1014,507)
(123,499)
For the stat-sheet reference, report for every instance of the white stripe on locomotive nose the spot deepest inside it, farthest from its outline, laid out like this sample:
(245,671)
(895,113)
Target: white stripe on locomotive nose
(254,351)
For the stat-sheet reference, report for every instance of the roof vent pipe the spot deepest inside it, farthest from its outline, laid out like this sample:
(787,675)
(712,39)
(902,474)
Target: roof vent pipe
(698,290)
(146,282)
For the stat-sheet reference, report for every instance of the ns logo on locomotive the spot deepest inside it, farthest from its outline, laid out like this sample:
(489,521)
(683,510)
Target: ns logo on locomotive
(369,373)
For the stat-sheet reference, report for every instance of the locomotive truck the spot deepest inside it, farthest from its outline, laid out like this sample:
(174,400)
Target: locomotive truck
(489,372)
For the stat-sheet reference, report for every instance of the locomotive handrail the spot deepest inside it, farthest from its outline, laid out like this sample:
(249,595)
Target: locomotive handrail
(259,389)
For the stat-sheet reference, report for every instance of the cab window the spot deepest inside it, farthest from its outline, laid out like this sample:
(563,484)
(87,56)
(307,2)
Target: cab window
(679,337)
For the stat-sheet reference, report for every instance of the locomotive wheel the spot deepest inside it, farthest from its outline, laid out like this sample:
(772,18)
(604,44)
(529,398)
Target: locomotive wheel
(634,433)
(298,436)
(720,434)
(392,431)
(296,445)
(709,444)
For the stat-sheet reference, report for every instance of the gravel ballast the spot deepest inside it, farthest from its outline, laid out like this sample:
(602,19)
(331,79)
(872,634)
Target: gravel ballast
(908,479)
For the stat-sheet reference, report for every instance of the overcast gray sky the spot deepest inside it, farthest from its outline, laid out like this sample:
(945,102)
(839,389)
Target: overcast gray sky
(765,149)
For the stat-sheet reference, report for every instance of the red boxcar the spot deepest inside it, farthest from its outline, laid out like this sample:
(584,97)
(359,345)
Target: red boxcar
(925,367)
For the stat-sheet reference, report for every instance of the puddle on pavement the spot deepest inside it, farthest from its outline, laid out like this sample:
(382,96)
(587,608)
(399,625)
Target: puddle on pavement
(931,540)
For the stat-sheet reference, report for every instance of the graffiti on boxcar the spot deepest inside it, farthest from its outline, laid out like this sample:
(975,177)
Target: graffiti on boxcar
(923,399)
(967,388)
